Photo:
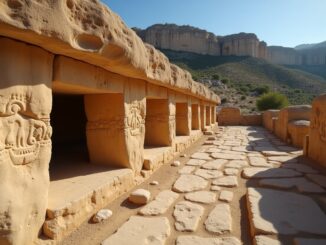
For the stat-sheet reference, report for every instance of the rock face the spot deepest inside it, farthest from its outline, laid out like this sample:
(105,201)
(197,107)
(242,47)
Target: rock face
(191,39)
(195,40)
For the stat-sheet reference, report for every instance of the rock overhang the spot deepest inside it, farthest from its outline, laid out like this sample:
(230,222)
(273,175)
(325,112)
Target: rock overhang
(90,32)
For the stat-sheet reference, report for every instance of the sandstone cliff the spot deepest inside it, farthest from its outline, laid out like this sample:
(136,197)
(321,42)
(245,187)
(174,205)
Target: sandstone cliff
(191,39)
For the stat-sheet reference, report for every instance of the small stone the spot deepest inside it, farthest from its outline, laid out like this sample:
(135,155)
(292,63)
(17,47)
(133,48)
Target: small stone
(201,197)
(187,170)
(187,216)
(219,220)
(154,182)
(212,150)
(183,155)
(201,156)
(227,181)
(195,162)
(196,240)
(226,196)
(101,215)
(189,182)
(208,174)
(227,156)
(160,204)
(140,196)
(215,164)
(264,240)
(176,164)
(269,173)
(141,230)
(231,171)
(215,188)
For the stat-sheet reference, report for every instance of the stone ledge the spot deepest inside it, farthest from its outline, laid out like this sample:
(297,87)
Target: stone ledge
(91,32)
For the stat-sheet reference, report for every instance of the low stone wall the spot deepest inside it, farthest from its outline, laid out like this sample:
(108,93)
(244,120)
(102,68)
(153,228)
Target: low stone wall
(315,145)
(231,116)
(290,124)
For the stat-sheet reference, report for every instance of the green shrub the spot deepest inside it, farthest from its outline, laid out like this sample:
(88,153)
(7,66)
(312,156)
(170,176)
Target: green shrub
(216,77)
(243,97)
(272,101)
(194,77)
(262,89)
(225,81)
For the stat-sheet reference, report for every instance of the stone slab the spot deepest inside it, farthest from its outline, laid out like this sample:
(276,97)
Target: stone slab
(302,184)
(227,156)
(141,230)
(189,182)
(160,204)
(201,156)
(231,171)
(269,173)
(237,164)
(195,162)
(286,213)
(208,174)
(215,164)
(265,240)
(219,220)
(258,162)
(186,170)
(227,181)
(300,168)
(288,159)
(196,240)
(309,241)
(201,197)
(226,196)
(187,216)
(318,179)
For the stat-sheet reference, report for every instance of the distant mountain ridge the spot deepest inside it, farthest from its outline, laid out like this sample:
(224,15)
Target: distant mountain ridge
(191,39)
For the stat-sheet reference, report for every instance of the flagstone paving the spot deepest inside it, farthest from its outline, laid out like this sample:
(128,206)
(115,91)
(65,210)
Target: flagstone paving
(247,187)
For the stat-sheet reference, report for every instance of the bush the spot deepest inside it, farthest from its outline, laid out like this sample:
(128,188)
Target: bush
(225,81)
(224,100)
(216,77)
(243,97)
(262,89)
(272,101)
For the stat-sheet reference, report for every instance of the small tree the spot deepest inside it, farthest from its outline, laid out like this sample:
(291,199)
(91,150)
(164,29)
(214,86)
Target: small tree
(225,81)
(272,101)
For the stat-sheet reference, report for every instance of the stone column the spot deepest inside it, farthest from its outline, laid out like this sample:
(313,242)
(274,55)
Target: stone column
(213,114)
(195,120)
(208,115)
(202,116)
(25,140)
(183,118)
(157,131)
(116,126)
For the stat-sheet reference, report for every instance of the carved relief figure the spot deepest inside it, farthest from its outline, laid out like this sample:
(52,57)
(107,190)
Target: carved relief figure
(22,136)
(135,119)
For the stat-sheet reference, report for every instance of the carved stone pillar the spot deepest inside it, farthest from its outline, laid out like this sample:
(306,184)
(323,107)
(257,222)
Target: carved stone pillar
(202,116)
(208,115)
(213,114)
(183,118)
(195,119)
(157,123)
(25,140)
(116,127)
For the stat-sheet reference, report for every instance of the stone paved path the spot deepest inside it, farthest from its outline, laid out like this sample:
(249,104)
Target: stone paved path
(246,187)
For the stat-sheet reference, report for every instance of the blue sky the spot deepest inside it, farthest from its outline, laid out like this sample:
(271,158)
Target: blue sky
(278,22)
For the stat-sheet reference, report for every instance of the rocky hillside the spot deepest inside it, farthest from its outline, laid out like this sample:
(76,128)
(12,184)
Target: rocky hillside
(191,39)
(248,77)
